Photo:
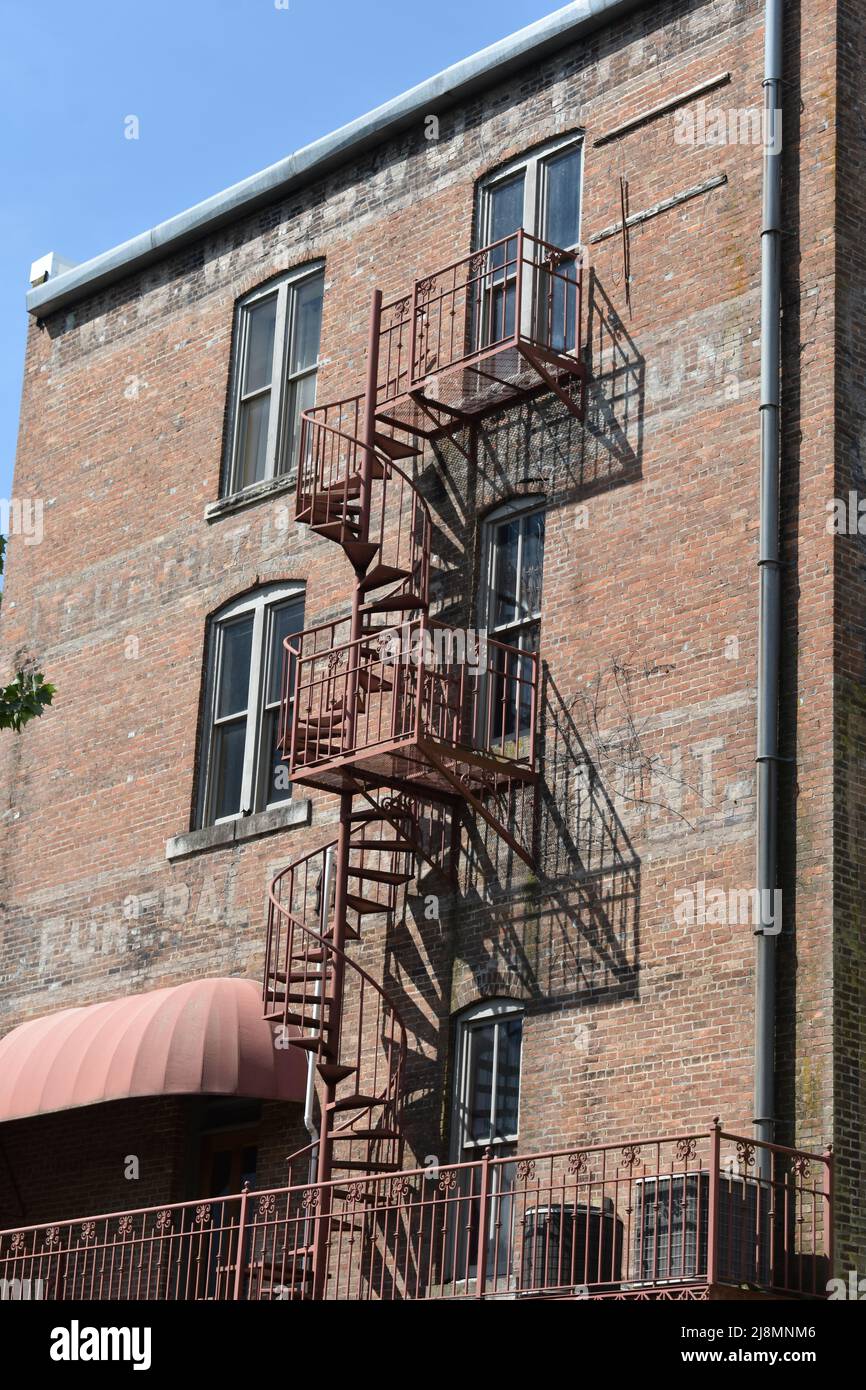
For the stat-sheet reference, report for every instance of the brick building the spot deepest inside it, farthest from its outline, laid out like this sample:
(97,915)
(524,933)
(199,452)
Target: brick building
(560,457)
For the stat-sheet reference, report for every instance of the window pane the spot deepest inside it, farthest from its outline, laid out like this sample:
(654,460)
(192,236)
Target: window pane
(301,396)
(277,784)
(228,767)
(508,1077)
(234,671)
(505,541)
(285,620)
(261,321)
(306,324)
(506,208)
(531,567)
(253,439)
(562,217)
(480,1082)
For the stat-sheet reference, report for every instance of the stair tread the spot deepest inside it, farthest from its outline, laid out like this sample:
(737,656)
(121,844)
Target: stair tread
(345,1135)
(392,603)
(395,448)
(364,905)
(355,1102)
(379,875)
(356,1166)
(334,1072)
(383,574)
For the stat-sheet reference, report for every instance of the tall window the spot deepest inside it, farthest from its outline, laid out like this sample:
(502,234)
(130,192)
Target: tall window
(276,356)
(241,770)
(485,1114)
(487,1078)
(513,561)
(540,193)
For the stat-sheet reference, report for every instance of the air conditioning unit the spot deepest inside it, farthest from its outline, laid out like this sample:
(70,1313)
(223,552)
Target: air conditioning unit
(567,1247)
(670,1234)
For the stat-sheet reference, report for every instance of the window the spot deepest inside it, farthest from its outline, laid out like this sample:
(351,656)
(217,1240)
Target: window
(276,358)
(540,193)
(513,561)
(242,771)
(487,1078)
(485,1115)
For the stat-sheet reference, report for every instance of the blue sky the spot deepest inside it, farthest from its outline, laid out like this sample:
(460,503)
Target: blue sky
(221,88)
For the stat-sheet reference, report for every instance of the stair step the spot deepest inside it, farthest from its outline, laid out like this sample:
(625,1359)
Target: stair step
(341,531)
(334,1072)
(311,1045)
(315,954)
(303,1022)
(393,603)
(351,934)
(380,875)
(354,1102)
(364,905)
(332,507)
(300,976)
(343,1193)
(370,681)
(360,553)
(345,1135)
(382,574)
(395,846)
(395,448)
(355,1166)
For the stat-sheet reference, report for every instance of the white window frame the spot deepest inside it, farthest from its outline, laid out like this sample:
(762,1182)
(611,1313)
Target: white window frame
(519,508)
(262,603)
(282,380)
(463,1147)
(534,166)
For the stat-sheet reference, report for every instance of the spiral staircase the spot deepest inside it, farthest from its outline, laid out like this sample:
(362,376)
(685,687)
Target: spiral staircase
(407,740)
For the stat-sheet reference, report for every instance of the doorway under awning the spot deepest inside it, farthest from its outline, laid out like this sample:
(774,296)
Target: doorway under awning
(204,1037)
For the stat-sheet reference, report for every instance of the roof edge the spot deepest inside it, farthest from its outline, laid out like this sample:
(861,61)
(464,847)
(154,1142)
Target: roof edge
(459,80)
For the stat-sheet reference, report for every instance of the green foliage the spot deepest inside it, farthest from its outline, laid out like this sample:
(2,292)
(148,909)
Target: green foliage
(28,694)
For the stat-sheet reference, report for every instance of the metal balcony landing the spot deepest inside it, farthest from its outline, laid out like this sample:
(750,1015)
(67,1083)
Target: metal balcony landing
(499,325)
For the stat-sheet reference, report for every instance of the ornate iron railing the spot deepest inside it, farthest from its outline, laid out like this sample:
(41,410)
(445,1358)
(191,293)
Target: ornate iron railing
(653,1218)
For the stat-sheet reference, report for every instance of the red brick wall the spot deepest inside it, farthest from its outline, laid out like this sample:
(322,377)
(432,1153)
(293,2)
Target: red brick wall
(635,1024)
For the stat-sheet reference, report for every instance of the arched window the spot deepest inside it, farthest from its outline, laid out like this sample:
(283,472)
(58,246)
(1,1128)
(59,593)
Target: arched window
(486,1098)
(241,771)
(274,366)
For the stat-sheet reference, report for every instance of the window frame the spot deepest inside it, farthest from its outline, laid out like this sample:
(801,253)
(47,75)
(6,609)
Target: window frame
(517,509)
(534,165)
(479,1015)
(284,288)
(263,603)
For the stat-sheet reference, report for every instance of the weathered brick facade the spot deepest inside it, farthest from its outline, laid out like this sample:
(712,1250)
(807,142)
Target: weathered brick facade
(635,1022)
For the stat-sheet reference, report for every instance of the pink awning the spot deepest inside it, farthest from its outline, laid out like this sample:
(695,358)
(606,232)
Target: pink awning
(206,1037)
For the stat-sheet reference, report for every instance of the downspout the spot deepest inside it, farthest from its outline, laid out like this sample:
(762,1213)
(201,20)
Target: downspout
(770,580)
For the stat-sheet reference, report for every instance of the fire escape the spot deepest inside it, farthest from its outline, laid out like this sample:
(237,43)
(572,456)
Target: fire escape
(382,707)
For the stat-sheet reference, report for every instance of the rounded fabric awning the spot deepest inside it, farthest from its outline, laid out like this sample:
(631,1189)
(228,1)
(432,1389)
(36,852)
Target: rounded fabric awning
(205,1037)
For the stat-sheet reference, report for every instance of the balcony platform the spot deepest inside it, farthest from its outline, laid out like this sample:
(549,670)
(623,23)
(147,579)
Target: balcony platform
(499,325)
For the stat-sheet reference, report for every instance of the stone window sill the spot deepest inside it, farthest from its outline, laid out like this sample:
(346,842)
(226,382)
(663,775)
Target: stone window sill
(234,832)
(258,492)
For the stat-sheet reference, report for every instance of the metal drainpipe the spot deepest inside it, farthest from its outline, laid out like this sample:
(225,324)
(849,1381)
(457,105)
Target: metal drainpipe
(769,568)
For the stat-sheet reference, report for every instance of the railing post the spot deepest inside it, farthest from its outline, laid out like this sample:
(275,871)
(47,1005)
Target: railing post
(828,1209)
(518,308)
(713,1214)
(483,1208)
(413,334)
(237,1293)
